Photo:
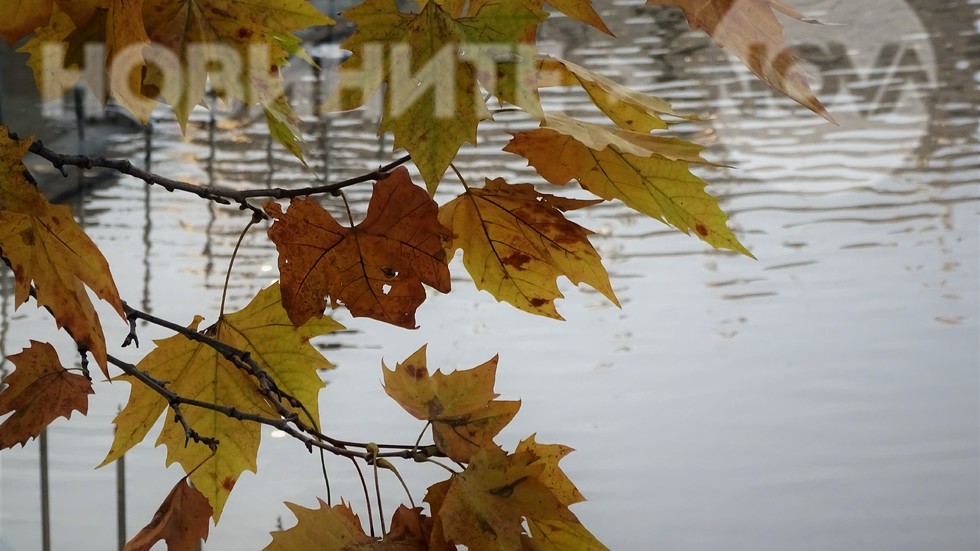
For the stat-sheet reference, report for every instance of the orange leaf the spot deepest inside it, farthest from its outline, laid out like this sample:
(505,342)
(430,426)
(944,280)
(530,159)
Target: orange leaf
(376,269)
(461,406)
(749,29)
(45,246)
(181,521)
(39,391)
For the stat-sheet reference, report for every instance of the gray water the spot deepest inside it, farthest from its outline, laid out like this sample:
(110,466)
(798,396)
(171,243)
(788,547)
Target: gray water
(823,397)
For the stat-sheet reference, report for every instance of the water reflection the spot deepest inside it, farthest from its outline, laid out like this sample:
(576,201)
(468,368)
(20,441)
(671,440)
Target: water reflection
(822,397)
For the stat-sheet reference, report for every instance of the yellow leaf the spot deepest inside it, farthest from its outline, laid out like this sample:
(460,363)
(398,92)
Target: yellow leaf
(376,269)
(47,248)
(195,370)
(560,535)
(487,503)
(182,520)
(461,405)
(433,102)
(39,391)
(749,29)
(660,186)
(516,242)
(51,80)
(325,528)
(21,17)
(548,455)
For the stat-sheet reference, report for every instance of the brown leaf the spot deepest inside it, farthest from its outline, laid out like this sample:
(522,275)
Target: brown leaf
(182,520)
(39,391)
(376,269)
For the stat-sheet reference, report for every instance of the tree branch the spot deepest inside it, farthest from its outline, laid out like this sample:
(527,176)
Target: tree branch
(175,400)
(268,388)
(218,194)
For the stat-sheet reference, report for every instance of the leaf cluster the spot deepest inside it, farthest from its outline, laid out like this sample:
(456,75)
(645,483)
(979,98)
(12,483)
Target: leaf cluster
(256,366)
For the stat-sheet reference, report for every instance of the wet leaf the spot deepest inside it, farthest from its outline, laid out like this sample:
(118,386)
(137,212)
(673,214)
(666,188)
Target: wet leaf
(516,243)
(182,521)
(195,370)
(376,269)
(461,406)
(37,392)
(46,247)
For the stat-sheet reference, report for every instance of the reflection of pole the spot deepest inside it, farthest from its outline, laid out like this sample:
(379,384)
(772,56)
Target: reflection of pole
(147,223)
(121,497)
(45,508)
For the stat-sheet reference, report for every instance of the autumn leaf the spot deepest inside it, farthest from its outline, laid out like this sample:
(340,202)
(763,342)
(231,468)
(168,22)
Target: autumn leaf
(435,496)
(627,108)
(21,17)
(376,269)
(46,247)
(487,503)
(410,530)
(657,182)
(181,521)
(326,528)
(461,406)
(749,29)
(195,370)
(37,392)
(516,242)
(581,10)
(560,535)
(433,102)
(215,28)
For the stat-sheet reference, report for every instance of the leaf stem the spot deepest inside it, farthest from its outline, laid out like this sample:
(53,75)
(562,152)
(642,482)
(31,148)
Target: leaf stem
(460,176)
(231,263)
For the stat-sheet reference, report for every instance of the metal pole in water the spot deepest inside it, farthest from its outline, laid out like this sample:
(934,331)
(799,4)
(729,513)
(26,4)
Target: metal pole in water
(45,501)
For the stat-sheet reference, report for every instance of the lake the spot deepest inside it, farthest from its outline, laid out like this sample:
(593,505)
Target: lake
(825,396)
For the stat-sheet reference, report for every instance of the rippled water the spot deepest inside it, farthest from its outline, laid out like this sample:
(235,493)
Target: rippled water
(822,397)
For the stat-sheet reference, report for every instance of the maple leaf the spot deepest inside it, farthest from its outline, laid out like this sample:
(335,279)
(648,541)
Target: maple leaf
(325,528)
(487,503)
(432,101)
(516,242)
(649,174)
(461,406)
(45,246)
(181,521)
(21,17)
(749,29)
(559,535)
(376,269)
(248,28)
(39,391)
(435,496)
(195,370)
(627,108)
